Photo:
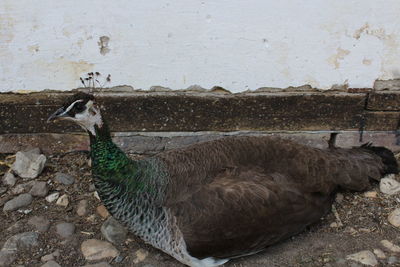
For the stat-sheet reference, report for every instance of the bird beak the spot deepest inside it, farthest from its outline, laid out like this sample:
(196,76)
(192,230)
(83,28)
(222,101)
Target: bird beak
(60,113)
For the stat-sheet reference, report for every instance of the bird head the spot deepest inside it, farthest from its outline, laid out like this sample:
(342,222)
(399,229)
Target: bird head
(81,109)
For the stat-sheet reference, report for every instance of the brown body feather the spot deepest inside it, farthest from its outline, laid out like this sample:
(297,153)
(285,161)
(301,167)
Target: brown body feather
(236,196)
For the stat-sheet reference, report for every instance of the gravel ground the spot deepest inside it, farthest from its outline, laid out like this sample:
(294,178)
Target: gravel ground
(56,233)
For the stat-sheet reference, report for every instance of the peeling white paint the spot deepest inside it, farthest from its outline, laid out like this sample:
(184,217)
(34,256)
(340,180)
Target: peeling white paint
(235,44)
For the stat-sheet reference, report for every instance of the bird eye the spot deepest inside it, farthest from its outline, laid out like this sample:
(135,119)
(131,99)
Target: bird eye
(79,107)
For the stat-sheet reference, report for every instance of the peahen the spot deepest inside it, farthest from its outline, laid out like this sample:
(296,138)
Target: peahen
(217,200)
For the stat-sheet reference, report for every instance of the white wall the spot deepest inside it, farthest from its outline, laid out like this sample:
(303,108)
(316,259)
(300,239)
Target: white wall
(236,44)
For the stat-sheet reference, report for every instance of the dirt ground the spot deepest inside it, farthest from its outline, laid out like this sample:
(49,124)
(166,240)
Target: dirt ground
(363,224)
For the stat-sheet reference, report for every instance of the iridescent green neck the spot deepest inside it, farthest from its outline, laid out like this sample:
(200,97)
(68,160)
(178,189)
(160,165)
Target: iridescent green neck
(111,164)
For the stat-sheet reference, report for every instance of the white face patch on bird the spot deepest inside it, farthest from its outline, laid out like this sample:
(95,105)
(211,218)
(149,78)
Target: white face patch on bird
(81,110)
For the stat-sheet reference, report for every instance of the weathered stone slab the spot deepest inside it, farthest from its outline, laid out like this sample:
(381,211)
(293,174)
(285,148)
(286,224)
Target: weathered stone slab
(191,112)
(384,101)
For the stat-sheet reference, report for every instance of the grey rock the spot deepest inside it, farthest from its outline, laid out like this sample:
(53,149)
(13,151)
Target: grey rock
(40,223)
(65,230)
(113,231)
(22,240)
(100,264)
(365,257)
(3,190)
(48,257)
(81,209)
(9,179)
(51,264)
(64,178)
(39,189)
(394,217)
(93,249)
(18,202)
(52,197)
(7,258)
(28,165)
(392,260)
(389,186)
(21,188)
(35,150)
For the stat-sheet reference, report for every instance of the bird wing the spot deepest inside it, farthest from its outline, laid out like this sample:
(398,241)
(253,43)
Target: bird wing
(242,213)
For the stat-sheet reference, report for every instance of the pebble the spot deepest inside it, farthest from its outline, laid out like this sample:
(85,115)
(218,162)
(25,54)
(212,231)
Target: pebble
(40,223)
(51,264)
(18,202)
(390,246)
(371,194)
(48,257)
(339,198)
(65,230)
(365,257)
(113,231)
(392,260)
(39,189)
(9,179)
(52,197)
(102,211)
(28,165)
(141,255)
(64,178)
(100,264)
(379,253)
(8,253)
(63,201)
(81,209)
(93,249)
(389,186)
(394,217)
(3,190)
(22,188)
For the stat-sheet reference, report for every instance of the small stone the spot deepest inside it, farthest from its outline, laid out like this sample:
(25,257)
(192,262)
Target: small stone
(339,198)
(81,209)
(389,186)
(390,246)
(7,257)
(379,253)
(39,189)
(371,194)
(48,257)
(63,201)
(392,260)
(9,179)
(96,195)
(52,197)
(102,211)
(394,217)
(64,178)
(56,253)
(51,264)
(141,255)
(93,249)
(22,188)
(113,231)
(25,240)
(100,264)
(18,202)
(365,257)
(65,230)
(334,225)
(92,187)
(40,223)
(28,165)
(3,190)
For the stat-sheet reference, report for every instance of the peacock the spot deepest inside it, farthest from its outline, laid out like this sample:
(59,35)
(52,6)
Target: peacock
(214,201)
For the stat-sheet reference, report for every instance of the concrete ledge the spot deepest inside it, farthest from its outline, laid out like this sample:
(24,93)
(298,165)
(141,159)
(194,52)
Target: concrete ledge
(154,142)
(174,111)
